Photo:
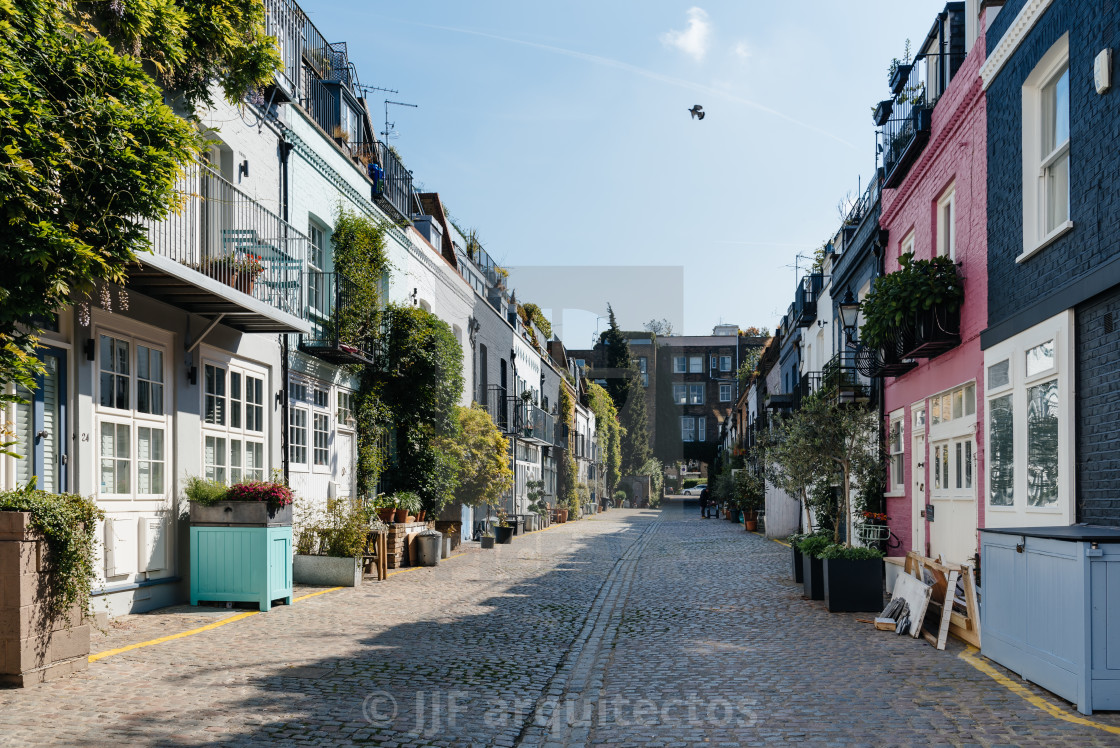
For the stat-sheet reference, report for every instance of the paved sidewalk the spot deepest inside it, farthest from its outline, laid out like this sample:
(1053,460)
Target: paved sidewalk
(632,628)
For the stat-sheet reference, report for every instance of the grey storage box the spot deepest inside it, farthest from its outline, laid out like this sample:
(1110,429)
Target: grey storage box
(240,513)
(1050,609)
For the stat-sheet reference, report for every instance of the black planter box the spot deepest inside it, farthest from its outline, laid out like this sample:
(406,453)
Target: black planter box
(487,541)
(813,577)
(899,78)
(503,535)
(798,569)
(853,586)
(883,112)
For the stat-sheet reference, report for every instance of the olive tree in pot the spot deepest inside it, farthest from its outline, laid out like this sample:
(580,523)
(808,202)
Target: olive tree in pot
(503,533)
(749,493)
(813,565)
(330,543)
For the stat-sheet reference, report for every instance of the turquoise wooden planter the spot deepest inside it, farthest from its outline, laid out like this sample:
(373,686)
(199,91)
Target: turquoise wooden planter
(241,564)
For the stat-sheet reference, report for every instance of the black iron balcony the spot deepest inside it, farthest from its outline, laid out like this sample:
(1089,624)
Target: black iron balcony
(392,189)
(337,321)
(223,253)
(532,423)
(931,332)
(805,300)
(809,384)
(917,87)
(882,362)
(842,380)
(497,405)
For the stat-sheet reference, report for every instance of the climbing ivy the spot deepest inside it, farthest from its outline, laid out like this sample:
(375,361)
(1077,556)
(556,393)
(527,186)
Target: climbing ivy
(568,488)
(68,523)
(609,432)
(531,313)
(422,387)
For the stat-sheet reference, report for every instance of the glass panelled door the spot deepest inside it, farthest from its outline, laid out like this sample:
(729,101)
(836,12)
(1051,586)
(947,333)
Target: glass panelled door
(41,428)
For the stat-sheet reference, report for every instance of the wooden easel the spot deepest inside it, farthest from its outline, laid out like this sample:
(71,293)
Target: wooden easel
(944,602)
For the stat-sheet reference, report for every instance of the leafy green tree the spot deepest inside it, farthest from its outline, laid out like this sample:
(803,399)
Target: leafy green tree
(483,458)
(609,431)
(422,387)
(636,451)
(90,150)
(616,360)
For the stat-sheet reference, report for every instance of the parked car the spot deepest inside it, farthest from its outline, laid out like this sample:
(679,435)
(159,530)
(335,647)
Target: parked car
(695,490)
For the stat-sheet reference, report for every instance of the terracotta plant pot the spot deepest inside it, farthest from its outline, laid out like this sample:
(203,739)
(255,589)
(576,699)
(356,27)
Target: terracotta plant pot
(420,517)
(385,514)
(751,525)
(400,515)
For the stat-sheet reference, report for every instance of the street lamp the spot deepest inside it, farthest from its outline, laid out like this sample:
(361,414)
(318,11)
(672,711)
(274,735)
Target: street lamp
(849,317)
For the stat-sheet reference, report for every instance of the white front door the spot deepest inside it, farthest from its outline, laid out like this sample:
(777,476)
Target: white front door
(918,492)
(344,473)
(952,530)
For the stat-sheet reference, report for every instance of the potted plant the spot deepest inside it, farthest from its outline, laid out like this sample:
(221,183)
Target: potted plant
(250,522)
(385,506)
(47,569)
(852,578)
(408,505)
(250,503)
(813,565)
(330,544)
(883,112)
(920,302)
(503,533)
(487,539)
(237,269)
(798,571)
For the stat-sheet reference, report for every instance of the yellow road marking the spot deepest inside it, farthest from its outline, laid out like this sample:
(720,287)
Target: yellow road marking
(969,656)
(313,594)
(172,637)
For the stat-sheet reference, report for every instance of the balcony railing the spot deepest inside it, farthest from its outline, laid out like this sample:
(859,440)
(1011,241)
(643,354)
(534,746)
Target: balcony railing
(842,380)
(805,299)
(393,189)
(333,309)
(220,251)
(916,89)
(532,423)
(497,405)
(809,385)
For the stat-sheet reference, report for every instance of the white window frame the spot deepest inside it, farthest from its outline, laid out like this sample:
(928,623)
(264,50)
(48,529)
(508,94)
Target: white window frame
(907,244)
(130,417)
(702,429)
(896,484)
(693,389)
(250,440)
(688,429)
(725,392)
(1035,163)
(305,444)
(947,223)
(725,363)
(680,364)
(1020,513)
(680,393)
(695,364)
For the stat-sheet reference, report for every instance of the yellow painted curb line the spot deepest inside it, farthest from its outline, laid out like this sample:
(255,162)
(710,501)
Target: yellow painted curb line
(969,656)
(199,630)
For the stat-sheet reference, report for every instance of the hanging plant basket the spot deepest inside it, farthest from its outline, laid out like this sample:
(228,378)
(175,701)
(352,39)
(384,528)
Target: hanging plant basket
(883,112)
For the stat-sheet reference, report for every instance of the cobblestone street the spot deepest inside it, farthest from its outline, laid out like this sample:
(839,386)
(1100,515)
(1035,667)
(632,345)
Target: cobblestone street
(631,628)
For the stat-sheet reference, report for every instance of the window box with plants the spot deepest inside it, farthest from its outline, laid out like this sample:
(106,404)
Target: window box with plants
(240,542)
(914,311)
(46,576)
(853,578)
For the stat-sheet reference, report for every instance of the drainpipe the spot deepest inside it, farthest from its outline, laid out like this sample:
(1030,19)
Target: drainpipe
(284,150)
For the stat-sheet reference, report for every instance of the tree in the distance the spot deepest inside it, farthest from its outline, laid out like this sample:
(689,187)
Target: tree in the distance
(616,361)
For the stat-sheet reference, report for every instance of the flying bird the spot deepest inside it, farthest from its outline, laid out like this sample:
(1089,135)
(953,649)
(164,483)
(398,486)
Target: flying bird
(697,112)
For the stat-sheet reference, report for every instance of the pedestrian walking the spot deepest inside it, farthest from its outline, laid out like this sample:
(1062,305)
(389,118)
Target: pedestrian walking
(705,497)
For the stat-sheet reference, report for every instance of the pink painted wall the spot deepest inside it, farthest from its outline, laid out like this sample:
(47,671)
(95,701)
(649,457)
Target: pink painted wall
(956,151)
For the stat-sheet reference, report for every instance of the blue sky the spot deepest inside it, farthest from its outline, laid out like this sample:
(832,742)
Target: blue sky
(560,132)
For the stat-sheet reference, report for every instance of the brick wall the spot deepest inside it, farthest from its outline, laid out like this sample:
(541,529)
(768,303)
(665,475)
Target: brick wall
(1094,162)
(1098,425)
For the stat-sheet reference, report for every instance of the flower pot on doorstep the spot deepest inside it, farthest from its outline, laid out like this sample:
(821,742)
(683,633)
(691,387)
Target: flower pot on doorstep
(400,516)
(385,514)
(751,525)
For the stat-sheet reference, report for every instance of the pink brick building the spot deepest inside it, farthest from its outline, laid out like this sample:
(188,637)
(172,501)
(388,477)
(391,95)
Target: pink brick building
(936,205)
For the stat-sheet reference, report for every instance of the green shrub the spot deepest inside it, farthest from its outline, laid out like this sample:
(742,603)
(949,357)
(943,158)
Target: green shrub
(855,553)
(205,492)
(690,482)
(68,523)
(814,545)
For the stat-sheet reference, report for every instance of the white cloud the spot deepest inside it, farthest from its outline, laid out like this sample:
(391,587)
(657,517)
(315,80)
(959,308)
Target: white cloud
(693,41)
(741,50)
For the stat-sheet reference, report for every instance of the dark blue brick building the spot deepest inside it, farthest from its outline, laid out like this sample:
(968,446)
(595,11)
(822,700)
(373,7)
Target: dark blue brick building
(1052,345)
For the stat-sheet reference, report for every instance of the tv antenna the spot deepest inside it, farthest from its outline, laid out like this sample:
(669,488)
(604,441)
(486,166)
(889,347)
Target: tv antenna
(368,89)
(390,125)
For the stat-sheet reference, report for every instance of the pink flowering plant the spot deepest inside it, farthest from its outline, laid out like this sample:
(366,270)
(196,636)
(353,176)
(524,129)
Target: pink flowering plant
(276,495)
